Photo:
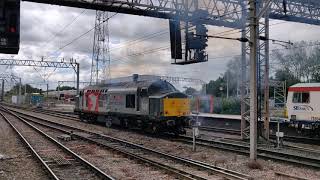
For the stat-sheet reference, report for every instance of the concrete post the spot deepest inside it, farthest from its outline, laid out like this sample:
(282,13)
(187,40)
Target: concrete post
(253,79)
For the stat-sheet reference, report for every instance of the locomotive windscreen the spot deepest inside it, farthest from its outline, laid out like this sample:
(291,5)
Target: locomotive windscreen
(161,87)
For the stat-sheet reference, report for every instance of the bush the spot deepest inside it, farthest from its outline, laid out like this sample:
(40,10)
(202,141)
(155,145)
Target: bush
(231,106)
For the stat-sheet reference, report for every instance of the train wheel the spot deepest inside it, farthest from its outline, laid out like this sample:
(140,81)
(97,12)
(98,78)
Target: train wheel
(108,122)
(125,123)
(154,129)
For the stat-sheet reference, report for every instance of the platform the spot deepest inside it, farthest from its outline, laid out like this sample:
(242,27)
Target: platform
(218,116)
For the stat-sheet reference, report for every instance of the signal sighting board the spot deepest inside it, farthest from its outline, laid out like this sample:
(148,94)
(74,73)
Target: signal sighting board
(9,26)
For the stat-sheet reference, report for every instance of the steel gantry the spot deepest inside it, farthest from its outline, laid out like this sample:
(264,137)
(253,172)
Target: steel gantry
(72,64)
(226,13)
(4,77)
(100,65)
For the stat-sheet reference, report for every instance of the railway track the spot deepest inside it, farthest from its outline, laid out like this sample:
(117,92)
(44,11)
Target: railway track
(265,153)
(244,149)
(47,112)
(58,160)
(57,114)
(187,168)
(296,139)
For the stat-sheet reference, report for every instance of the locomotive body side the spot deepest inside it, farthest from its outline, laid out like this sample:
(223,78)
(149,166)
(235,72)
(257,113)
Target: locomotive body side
(303,106)
(154,106)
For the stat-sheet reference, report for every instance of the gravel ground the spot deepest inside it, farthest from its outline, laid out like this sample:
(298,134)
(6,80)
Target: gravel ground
(214,156)
(302,150)
(16,162)
(112,163)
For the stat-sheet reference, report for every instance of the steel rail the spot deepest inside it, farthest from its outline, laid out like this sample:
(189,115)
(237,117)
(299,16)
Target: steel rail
(297,139)
(34,153)
(99,172)
(263,153)
(225,172)
(223,130)
(56,114)
(238,148)
(172,170)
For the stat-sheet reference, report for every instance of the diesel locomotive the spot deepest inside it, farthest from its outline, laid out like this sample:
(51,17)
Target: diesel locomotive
(153,105)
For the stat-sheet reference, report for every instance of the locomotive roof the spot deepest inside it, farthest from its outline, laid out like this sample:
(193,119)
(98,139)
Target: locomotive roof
(306,85)
(154,85)
(129,84)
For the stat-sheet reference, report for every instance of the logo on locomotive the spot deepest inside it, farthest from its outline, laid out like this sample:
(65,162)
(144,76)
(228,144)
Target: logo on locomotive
(302,108)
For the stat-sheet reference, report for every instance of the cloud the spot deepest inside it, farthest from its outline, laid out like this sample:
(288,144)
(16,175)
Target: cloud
(138,44)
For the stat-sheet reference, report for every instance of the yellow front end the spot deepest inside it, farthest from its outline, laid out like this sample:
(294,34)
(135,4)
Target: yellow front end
(176,107)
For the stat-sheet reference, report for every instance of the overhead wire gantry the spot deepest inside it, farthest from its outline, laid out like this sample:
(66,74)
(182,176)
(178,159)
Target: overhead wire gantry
(71,64)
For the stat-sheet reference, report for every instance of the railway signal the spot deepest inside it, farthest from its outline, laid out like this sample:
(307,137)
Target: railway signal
(9,26)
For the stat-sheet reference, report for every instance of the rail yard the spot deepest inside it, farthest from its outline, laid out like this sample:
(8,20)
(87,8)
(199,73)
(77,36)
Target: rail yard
(165,157)
(160,90)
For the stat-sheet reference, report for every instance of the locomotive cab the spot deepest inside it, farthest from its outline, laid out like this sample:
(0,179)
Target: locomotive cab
(303,106)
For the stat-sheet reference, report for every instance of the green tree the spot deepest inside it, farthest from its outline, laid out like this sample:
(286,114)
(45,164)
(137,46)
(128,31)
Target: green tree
(285,75)
(214,87)
(190,91)
(301,61)
(28,87)
(61,88)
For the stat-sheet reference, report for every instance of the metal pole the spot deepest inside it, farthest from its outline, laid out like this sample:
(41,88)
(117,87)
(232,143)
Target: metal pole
(227,84)
(194,139)
(78,91)
(253,79)
(266,79)
(243,84)
(78,70)
(19,96)
(2,90)
(47,90)
(59,91)
(278,136)
(25,89)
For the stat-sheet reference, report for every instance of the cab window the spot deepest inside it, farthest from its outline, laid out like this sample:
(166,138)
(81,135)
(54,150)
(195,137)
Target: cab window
(130,101)
(301,97)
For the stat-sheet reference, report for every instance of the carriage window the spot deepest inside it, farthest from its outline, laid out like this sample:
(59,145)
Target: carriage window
(301,97)
(130,101)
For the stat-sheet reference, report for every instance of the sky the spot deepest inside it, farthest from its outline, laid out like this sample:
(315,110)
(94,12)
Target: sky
(46,29)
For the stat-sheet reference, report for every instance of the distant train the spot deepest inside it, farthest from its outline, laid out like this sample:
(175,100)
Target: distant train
(153,105)
(303,107)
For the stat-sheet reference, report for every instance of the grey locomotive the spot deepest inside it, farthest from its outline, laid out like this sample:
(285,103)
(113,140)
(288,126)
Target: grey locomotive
(153,105)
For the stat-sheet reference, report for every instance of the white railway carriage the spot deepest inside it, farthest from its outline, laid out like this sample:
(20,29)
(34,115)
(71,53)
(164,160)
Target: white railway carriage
(303,106)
